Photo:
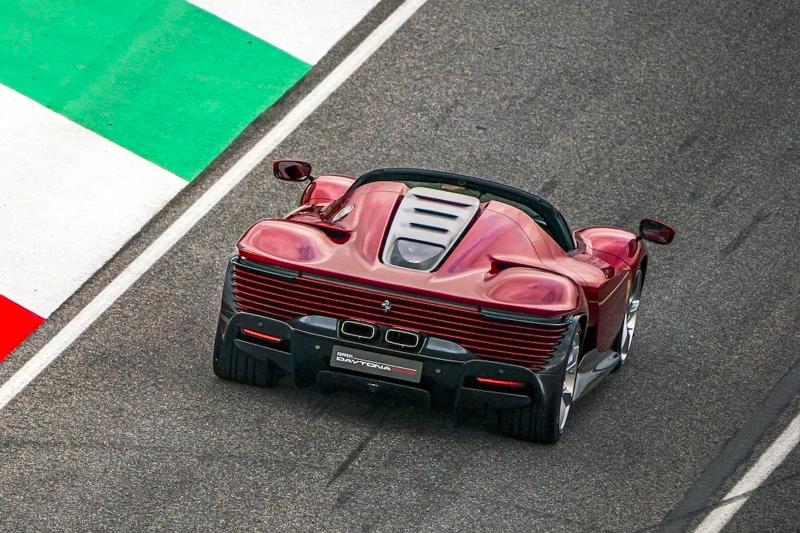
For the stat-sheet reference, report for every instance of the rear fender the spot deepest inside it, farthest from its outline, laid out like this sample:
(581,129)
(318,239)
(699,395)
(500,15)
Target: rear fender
(617,247)
(551,294)
(325,189)
(285,242)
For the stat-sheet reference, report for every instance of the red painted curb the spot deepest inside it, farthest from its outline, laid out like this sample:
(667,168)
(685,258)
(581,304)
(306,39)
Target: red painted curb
(16,323)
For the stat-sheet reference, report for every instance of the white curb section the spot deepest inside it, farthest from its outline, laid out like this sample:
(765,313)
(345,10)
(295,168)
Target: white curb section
(307,29)
(69,199)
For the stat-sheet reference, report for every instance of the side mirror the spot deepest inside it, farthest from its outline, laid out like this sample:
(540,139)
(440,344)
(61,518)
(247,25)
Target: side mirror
(654,231)
(291,170)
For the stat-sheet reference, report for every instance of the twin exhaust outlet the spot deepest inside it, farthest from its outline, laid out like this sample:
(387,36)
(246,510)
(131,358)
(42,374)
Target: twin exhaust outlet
(367,332)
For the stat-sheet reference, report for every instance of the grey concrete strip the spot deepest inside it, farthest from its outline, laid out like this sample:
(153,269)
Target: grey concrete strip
(737,450)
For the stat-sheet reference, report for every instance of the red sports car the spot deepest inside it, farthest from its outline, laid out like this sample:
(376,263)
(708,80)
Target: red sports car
(429,285)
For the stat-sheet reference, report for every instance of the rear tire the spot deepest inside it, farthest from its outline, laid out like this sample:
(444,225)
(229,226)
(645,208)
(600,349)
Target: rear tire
(240,367)
(536,423)
(544,422)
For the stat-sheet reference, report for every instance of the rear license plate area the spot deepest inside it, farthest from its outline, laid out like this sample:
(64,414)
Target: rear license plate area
(376,364)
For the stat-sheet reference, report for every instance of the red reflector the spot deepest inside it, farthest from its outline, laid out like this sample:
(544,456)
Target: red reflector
(262,336)
(501,382)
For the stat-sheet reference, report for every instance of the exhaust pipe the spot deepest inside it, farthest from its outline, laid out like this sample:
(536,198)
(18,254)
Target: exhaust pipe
(358,330)
(404,339)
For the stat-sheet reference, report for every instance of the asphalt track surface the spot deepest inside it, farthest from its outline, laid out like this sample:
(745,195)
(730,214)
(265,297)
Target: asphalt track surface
(682,110)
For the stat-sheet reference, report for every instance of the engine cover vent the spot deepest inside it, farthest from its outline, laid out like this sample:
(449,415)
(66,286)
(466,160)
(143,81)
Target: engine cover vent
(427,224)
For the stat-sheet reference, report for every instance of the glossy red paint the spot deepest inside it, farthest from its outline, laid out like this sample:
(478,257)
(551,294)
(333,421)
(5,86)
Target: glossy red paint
(616,254)
(469,275)
(504,261)
(616,246)
(325,189)
(507,342)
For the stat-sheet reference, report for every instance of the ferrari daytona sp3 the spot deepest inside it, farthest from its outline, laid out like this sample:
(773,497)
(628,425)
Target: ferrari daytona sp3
(433,286)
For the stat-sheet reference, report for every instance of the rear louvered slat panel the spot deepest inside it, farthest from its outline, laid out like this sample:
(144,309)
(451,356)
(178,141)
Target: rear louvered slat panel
(337,292)
(455,335)
(447,311)
(521,344)
(396,318)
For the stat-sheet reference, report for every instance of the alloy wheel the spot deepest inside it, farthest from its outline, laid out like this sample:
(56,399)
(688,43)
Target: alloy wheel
(631,311)
(570,377)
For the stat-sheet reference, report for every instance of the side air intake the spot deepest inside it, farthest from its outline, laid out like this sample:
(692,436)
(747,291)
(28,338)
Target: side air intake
(427,224)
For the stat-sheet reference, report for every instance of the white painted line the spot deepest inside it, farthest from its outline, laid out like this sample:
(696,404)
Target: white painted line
(758,474)
(307,29)
(61,341)
(69,199)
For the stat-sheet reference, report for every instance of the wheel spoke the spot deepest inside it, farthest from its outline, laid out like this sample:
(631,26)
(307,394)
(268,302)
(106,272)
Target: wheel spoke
(629,323)
(563,413)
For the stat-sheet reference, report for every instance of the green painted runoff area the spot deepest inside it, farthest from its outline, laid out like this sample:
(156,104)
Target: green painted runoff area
(162,78)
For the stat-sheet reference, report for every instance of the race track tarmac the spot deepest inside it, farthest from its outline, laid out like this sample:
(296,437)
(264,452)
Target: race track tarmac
(686,111)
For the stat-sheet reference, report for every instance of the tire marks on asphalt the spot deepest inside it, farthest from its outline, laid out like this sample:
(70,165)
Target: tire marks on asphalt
(759,217)
(376,408)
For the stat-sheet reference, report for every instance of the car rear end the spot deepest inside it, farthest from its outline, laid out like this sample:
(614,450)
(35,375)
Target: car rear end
(325,331)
